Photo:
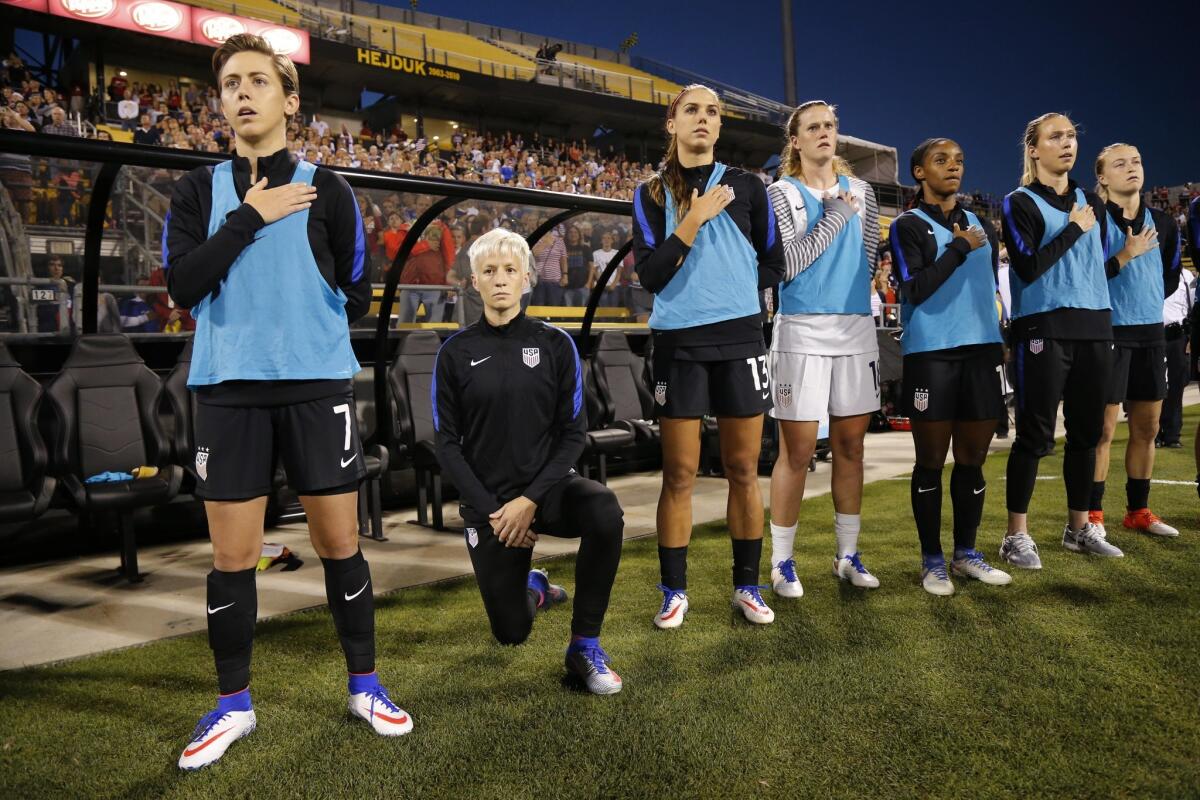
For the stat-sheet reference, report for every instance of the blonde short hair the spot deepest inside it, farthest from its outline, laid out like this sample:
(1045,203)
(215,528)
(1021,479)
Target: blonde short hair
(500,242)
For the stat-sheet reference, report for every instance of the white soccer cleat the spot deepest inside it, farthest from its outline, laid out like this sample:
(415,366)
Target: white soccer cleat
(213,736)
(587,660)
(387,718)
(972,565)
(850,568)
(674,608)
(784,581)
(1091,540)
(934,578)
(747,600)
(1020,550)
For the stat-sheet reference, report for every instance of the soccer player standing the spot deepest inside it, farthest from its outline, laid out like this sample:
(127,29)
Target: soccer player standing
(824,354)
(269,254)
(1143,270)
(1062,334)
(947,261)
(705,244)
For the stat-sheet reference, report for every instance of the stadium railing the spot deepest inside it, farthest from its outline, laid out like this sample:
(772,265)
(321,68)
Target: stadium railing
(108,159)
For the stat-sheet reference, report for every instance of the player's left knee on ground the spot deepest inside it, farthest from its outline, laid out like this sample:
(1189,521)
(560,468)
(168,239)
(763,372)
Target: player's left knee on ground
(514,630)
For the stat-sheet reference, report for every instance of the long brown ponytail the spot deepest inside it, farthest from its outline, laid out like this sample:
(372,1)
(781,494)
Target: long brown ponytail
(671,175)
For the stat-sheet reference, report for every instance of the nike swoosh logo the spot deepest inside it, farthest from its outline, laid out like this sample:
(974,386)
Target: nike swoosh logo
(212,610)
(766,394)
(360,591)
(475,363)
(923,491)
(195,750)
(346,461)
(980,491)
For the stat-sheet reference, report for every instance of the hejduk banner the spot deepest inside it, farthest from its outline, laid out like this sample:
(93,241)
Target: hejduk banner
(177,21)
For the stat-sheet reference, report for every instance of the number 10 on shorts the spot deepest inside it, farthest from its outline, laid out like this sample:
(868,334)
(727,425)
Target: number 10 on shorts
(758,371)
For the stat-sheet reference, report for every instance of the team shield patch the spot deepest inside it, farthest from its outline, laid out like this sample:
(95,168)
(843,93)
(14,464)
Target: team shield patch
(660,393)
(202,463)
(1035,346)
(532,356)
(472,537)
(921,399)
(783,395)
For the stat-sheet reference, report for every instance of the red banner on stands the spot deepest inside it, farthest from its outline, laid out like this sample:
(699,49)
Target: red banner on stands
(214,27)
(156,17)
(32,5)
(174,21)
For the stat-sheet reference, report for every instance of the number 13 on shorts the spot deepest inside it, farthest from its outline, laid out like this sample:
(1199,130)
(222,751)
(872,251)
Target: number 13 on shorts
(758,371)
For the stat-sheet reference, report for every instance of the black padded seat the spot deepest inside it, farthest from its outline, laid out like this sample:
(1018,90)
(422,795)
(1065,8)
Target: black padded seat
(375,457)
(25,486)
(621,377)
(411,379)
(105,402)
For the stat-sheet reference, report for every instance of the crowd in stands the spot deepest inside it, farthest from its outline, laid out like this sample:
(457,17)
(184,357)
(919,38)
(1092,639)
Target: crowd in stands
(1174,200)
(188,116)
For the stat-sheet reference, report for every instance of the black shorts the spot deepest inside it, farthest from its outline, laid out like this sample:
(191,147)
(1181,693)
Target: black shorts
(737,387)
(939,387)
(317,441)
(1139,373)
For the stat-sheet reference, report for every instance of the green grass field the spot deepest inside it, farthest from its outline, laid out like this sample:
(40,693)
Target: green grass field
(1080,681)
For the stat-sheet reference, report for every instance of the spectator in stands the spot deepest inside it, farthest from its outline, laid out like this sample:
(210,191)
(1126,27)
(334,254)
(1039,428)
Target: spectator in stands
(16,171)
(638,299)
(68,197)
(600,261)
(170,316)
(116,88)
(145,133)
(424,267)
(54,313)
(127,111)
(58,124)
(550,255)
(580,271)
(137,315)
(393,237)
(108,311)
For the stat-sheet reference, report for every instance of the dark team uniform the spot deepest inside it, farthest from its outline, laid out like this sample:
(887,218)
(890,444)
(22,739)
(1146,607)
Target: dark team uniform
(1138,291)
(1062,335)
(508,411)
(951,326)
(709,350)
(254,402)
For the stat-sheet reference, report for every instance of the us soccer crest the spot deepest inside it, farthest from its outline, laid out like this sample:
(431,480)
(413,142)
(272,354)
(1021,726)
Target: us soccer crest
(783,395)
(472,537)
(921,399)
(532,356)
(660,393)
(1035,346)
(202,463)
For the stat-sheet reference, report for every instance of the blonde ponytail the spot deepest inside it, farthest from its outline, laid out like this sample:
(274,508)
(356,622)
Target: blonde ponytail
(1030,139)
(789,160)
